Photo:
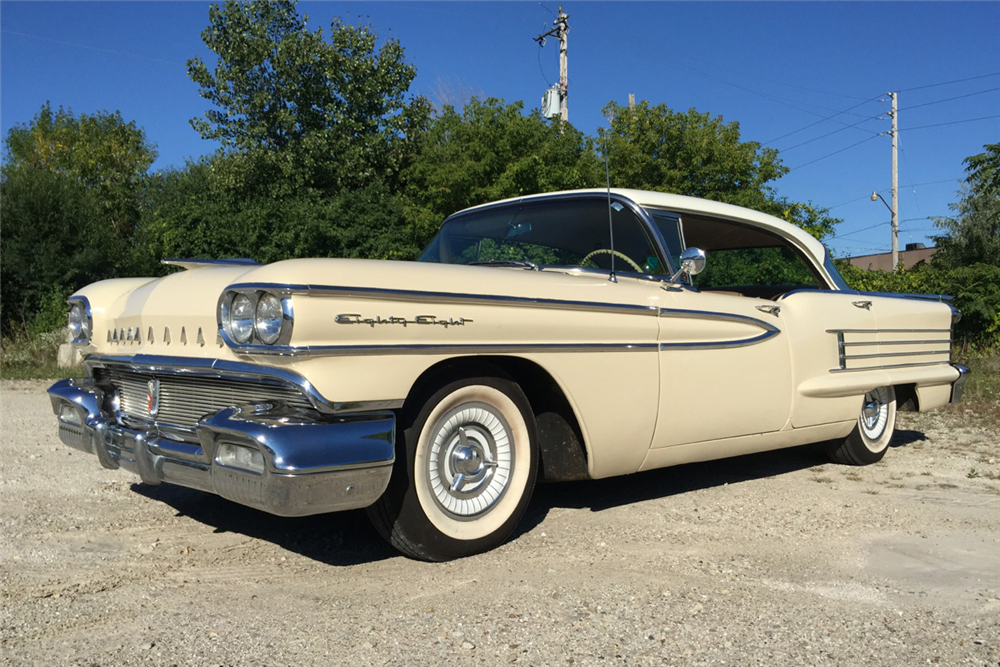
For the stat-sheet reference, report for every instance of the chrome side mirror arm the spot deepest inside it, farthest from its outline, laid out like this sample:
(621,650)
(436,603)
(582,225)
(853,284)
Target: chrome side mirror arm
(692,263)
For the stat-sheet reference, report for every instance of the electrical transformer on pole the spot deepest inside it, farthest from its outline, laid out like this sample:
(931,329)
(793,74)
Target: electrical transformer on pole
(560,92)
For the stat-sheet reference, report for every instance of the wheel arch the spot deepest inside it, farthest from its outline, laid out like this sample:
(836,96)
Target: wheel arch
(563,451)
(906,398)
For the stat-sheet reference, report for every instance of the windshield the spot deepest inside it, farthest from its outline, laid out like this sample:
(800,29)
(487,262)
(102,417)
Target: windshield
(559,232)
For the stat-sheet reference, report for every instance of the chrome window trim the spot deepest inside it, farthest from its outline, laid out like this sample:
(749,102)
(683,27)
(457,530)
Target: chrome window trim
(632,205)
(234,370)
(831,269)
(820,267)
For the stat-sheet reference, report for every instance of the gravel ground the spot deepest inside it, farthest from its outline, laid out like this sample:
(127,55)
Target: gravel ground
(772,559)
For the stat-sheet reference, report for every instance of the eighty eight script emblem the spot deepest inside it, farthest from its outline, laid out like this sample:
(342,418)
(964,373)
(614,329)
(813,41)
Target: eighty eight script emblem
(153,397)
(355,318)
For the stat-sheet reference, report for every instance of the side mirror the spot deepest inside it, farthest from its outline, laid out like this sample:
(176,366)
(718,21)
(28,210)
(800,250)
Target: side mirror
(692,263)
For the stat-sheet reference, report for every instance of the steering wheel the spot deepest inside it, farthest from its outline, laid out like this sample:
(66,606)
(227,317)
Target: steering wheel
(620,255)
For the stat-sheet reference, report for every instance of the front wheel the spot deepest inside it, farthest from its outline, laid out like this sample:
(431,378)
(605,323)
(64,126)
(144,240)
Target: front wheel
(465,472)
(869,440)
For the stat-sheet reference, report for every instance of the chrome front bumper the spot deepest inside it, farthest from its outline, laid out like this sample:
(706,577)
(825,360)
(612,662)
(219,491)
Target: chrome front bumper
(282,461)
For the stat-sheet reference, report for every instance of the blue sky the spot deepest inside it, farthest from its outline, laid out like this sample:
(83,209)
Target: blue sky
(781,69)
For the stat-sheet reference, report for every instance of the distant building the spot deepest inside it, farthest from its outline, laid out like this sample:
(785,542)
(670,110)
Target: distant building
(911,256)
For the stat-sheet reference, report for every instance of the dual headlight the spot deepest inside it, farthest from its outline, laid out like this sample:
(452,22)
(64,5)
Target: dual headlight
(255,317)
(81,324)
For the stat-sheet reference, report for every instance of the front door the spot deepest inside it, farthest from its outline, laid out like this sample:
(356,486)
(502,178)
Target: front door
(725,369)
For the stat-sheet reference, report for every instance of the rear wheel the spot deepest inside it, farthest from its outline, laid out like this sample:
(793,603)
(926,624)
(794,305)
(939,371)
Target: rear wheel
(464,472)
(870,439)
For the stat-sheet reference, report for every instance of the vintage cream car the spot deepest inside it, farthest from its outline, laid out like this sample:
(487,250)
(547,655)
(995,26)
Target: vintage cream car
(562,336)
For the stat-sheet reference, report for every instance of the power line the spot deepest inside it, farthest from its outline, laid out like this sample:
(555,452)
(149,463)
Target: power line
(822,120)
(949,99)
(764,78)
(881,224)
(824,136)
(954,122)
(774,98)
(834,153)
(914,185)
(945,83)
(85,46)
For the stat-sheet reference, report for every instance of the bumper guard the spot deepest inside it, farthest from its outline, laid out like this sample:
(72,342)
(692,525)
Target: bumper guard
(282,461)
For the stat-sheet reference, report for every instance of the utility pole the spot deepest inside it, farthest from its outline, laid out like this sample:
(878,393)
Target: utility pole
(560,30)
(895,181)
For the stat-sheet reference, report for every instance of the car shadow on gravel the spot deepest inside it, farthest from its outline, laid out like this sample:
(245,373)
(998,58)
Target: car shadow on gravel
(902,438)
(347,538)
(602,494)
(343,538)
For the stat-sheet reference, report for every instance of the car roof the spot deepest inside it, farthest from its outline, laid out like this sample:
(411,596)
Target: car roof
(684,204)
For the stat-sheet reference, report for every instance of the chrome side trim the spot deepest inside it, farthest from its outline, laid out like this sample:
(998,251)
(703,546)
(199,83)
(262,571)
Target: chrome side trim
(900,342)
(844,356)
(886,366)
(435,348)
(941,298)
(447,297)
(922,353)
(877,331)
(769,329)
(220,368)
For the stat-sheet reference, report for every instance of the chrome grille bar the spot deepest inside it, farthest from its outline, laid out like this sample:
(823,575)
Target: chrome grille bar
(185,400)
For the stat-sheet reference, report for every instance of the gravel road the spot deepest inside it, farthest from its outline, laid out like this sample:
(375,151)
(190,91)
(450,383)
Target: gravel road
(772,559)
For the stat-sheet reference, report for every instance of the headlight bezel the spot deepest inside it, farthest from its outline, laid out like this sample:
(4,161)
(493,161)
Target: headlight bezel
(258,338)
(80,320)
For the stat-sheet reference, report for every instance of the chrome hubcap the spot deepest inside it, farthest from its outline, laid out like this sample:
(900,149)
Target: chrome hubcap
(874,413)
(471,458)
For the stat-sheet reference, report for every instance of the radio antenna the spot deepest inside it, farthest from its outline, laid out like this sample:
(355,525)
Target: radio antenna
(611,227)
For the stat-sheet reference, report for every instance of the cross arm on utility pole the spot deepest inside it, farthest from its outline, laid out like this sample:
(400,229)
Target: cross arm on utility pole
(560,29)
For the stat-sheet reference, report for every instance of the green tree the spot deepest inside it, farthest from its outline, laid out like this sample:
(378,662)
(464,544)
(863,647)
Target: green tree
(71,190)
(973,234)
(53,242)
(300,110)
(191,214)
(692,153)
(106,154)
(491,150)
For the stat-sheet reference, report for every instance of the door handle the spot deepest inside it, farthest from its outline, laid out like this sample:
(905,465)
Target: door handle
(867,305)
(770,310)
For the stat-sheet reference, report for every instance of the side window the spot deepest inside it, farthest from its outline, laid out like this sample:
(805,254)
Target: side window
(755,267)
(670,229)
(746,259)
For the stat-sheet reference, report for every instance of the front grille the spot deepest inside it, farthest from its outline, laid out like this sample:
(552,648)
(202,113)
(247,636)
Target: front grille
(185,400)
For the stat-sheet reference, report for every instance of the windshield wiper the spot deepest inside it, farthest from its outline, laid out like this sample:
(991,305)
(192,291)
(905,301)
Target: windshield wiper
(507,262)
